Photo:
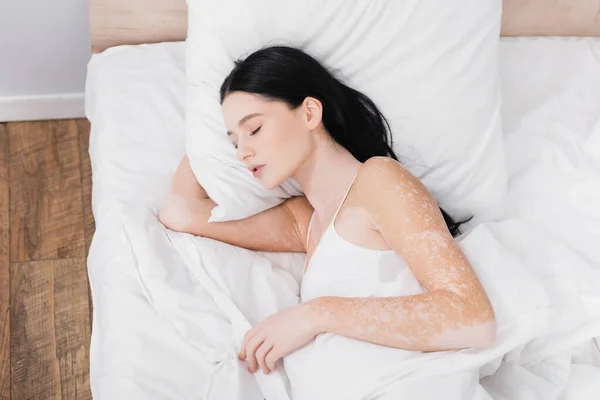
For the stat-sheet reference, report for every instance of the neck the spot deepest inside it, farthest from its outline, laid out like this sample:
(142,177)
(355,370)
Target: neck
(326,174)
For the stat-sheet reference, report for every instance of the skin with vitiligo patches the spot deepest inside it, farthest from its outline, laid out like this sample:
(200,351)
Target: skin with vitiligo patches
(387,208)
(453,313)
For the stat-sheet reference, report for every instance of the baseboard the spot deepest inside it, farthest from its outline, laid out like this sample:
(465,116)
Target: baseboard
(39,107)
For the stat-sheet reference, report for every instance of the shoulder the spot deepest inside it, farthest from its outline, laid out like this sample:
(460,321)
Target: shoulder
(386,180)
(401,207)
(379,171)
(383,168)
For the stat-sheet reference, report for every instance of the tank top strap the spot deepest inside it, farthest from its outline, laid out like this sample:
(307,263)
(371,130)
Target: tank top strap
(336,212)
(344,198)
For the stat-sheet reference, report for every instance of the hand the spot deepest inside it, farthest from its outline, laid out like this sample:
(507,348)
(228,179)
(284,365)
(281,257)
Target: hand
(277,336)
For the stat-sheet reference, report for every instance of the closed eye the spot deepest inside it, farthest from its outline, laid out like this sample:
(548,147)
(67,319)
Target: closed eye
(251,133)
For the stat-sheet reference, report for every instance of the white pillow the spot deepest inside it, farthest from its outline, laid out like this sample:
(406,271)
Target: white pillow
(431,66)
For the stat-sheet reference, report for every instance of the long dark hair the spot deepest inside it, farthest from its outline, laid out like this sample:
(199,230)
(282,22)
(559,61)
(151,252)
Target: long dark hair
(290,75)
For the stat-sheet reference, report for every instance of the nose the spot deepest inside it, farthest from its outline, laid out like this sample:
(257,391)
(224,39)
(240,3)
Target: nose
(243,151)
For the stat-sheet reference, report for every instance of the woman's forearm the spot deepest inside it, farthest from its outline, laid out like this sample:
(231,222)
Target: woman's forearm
(435,321)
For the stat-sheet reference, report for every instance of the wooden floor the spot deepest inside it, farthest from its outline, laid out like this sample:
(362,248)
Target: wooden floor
(46,226)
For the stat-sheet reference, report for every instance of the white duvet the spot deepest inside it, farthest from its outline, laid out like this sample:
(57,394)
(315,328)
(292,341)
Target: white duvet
(170,309)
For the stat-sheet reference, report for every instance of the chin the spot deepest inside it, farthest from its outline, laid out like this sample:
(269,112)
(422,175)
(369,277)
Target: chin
(273,177)
(270,184)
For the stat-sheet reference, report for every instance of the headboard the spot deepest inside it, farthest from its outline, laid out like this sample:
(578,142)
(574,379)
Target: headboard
(116,22)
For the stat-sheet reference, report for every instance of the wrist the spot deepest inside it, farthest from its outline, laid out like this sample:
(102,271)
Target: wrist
(318,314)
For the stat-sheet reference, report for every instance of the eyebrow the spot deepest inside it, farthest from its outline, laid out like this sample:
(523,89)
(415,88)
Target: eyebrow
(246,118)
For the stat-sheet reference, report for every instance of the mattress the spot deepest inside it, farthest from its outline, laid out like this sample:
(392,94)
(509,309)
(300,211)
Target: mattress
(170,308)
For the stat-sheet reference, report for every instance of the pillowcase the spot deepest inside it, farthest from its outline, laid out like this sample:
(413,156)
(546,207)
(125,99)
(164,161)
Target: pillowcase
(431,66)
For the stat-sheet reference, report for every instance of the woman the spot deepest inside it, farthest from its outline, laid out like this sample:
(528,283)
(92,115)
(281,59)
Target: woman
(370,229)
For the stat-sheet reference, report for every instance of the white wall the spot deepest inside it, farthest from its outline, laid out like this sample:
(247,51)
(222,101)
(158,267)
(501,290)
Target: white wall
(44,50)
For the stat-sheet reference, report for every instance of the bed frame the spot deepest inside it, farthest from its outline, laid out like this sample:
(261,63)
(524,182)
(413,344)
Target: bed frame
(117,22)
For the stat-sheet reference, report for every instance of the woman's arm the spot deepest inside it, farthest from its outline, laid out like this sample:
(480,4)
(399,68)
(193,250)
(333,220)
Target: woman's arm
(427,322)
(187,208)
(454,313)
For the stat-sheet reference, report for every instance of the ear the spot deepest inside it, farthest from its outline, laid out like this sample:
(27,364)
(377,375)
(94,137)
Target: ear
(313,111)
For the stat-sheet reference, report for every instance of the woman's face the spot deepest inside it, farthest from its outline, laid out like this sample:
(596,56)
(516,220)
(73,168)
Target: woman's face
(269,134)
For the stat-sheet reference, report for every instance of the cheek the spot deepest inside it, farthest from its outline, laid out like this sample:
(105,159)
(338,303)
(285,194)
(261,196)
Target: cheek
(288,140)
(287,150)
(294,150)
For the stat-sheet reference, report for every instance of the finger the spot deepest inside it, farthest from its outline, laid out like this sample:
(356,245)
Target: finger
(251,348)
(261,353)
(271,359)
(249,335)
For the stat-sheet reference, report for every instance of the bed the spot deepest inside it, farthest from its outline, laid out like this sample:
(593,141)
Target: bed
(167,306)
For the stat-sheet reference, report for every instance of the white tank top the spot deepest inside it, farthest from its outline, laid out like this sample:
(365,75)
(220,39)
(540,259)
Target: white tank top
(333,367)
(341,268)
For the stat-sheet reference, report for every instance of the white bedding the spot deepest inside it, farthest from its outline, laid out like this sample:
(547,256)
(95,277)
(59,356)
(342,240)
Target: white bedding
(170,309)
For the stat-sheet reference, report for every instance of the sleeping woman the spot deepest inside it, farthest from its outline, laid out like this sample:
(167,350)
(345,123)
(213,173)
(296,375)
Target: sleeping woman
(382,265)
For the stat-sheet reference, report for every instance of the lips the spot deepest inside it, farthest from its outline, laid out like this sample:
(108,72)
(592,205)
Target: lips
(256,170)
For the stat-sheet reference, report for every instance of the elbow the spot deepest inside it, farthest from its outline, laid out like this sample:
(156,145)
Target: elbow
(484,331)
(484,328)
(475,335)
(489,327)
(487,337)
(175,214)
(478,331)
